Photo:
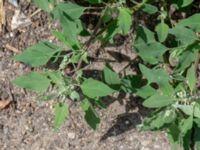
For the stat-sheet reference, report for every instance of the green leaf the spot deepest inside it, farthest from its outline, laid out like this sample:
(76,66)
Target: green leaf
(48,97)
(189,110)
(108,14)
(169,116)
(91,116)
(112,29)
(183,3)
(157,101)
(85,104)
(155,122)
(69,13)
(193,22)
(186,125)
(61,113)
(146,46)
(163,118)
(84,57)
(146,91)
(56,77)
(162,79)
(93,88)
(148,8)
(196,110)
(111,77)
(191,78)
(71,29)
(75,58)
(187,140)
(180,33)
(124,20)
(33,81)
(158,119)
(72,10)
(60,36)
(94,1)
(197,138)
(149,74)
(74,95)
(173,135)
(99,103)
(173,58)
(185,60)
(130,82)
(144,35)
(186,3)
(162,31)
(37,55)
(197,122)
(46,5)
(151,53)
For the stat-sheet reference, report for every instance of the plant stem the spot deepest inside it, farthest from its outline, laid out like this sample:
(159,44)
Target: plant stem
(95,8)
(196,63)
(87,44)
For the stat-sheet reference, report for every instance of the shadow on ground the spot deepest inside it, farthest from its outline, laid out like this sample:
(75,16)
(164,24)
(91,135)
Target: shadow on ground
(128,120)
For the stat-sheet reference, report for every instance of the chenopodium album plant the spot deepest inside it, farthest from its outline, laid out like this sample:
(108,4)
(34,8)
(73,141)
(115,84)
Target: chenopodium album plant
(168,77)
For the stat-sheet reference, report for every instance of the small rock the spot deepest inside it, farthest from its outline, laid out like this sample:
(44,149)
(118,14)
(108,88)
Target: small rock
(5,130)
(127,122)
(146,142)
(145,148)
(121,147)
(11,34)
(71,135)
(131,138)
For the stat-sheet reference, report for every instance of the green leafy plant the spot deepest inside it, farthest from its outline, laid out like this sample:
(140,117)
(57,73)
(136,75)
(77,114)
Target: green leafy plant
(167,80)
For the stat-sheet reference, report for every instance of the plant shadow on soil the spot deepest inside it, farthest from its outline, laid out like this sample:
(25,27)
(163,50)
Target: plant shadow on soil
(128,120)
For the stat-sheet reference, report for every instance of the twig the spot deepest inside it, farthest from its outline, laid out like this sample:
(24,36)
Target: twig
(125,67)
(10,92)
(12,48)
(87,44)
(95,8)
(34,13)
(92,13)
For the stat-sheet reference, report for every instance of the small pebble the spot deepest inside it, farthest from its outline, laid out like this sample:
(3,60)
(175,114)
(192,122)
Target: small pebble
(131,138)
(5,130)
(71,135)
(127,122)
(11,34)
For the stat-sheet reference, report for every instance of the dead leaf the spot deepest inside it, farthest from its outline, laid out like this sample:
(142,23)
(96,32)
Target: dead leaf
(4,103)
(2,15)
(19,20)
